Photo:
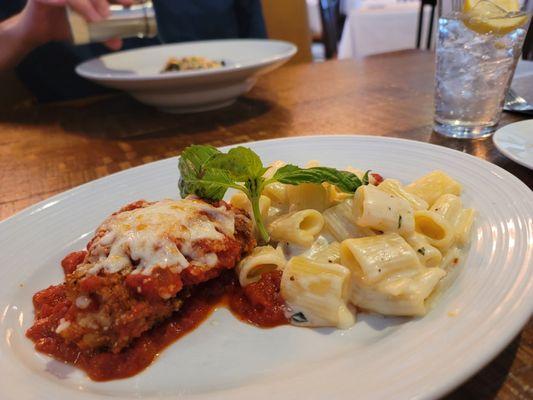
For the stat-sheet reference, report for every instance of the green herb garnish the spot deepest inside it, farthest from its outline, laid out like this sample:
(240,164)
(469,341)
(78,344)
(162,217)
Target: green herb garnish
(366,178)
(209,173)
(299,317)
(422,251)
(399,222)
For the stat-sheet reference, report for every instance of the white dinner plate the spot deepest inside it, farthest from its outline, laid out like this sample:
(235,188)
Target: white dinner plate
(515,141)
(378,358)
(138,72)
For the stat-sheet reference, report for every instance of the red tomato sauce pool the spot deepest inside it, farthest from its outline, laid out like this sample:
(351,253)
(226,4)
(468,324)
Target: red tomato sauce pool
(259,304)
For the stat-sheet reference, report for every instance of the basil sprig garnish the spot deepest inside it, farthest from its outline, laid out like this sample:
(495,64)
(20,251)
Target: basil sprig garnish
(209,173)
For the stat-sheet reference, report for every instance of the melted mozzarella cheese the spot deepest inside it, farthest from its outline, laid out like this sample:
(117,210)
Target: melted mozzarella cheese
(82,302)
(63,324)
(158,235)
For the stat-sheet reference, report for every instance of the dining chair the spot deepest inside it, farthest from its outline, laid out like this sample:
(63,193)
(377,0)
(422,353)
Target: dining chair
(287,20)
(423,3)
(330,17)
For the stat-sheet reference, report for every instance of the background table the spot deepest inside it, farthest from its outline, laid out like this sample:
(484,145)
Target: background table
(372,30)
(48,149)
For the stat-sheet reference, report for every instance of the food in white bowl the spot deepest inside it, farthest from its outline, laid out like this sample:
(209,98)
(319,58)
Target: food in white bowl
(138,72)
(191,63)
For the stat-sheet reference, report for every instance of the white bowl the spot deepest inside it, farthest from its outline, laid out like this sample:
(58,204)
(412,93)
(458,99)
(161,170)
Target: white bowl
(138,72)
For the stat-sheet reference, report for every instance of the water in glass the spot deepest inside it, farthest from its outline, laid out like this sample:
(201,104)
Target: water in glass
(473,73)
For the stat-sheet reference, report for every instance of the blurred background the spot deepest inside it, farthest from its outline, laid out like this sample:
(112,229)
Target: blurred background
(322,30)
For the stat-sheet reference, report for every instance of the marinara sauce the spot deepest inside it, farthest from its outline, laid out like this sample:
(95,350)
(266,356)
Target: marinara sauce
(259,303)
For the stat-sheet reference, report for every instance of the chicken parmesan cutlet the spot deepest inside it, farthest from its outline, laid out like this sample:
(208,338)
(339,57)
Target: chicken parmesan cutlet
(139,267)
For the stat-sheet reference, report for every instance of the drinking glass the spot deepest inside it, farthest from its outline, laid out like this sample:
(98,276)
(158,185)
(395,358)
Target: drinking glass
(479,43)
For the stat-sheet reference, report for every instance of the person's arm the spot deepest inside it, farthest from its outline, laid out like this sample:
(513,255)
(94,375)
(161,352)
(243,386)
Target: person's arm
(14,46)
(42,21)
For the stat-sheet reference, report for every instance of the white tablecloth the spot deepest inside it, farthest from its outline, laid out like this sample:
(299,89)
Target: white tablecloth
(369,30)
(313,10)
(347,5)
(313,13)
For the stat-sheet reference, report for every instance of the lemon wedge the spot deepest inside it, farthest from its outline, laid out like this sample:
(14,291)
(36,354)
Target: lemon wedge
(493,16)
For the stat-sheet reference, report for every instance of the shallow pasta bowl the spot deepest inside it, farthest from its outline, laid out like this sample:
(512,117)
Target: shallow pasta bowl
(138,72)
(378,358)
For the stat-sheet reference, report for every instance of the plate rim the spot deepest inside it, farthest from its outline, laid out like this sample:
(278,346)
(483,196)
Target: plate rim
(498,136)
(457,377)
(34,207)
(181,75)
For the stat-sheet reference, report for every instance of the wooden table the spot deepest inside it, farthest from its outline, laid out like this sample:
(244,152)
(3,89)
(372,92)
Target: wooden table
(50,148)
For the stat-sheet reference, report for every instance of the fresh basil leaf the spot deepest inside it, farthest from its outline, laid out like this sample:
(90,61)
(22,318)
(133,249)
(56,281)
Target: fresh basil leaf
(191,166)
(286,172)
(299,317)
(194,157)
(212,185)
(365,179)
(293,175)
(240,162)
(253,190)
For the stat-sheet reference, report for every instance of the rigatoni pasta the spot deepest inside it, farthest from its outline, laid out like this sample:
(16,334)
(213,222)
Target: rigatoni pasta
(449,206)
(307,196)
(300,227)
(433,185)
(372,258)
(399,295)
(263,259)
(438,231)
(428,255)
(317,293)
(387,248)
(335,196)
(276,192)
(463,226)
(394,187)
(388,278)
(340,222)
(331,253)
(382,211)
(240,200)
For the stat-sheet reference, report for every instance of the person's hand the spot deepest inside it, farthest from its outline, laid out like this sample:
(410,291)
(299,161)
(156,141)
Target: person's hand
(45,20)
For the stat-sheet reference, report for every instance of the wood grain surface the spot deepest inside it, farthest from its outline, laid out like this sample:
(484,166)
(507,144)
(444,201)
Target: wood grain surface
(47,149)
